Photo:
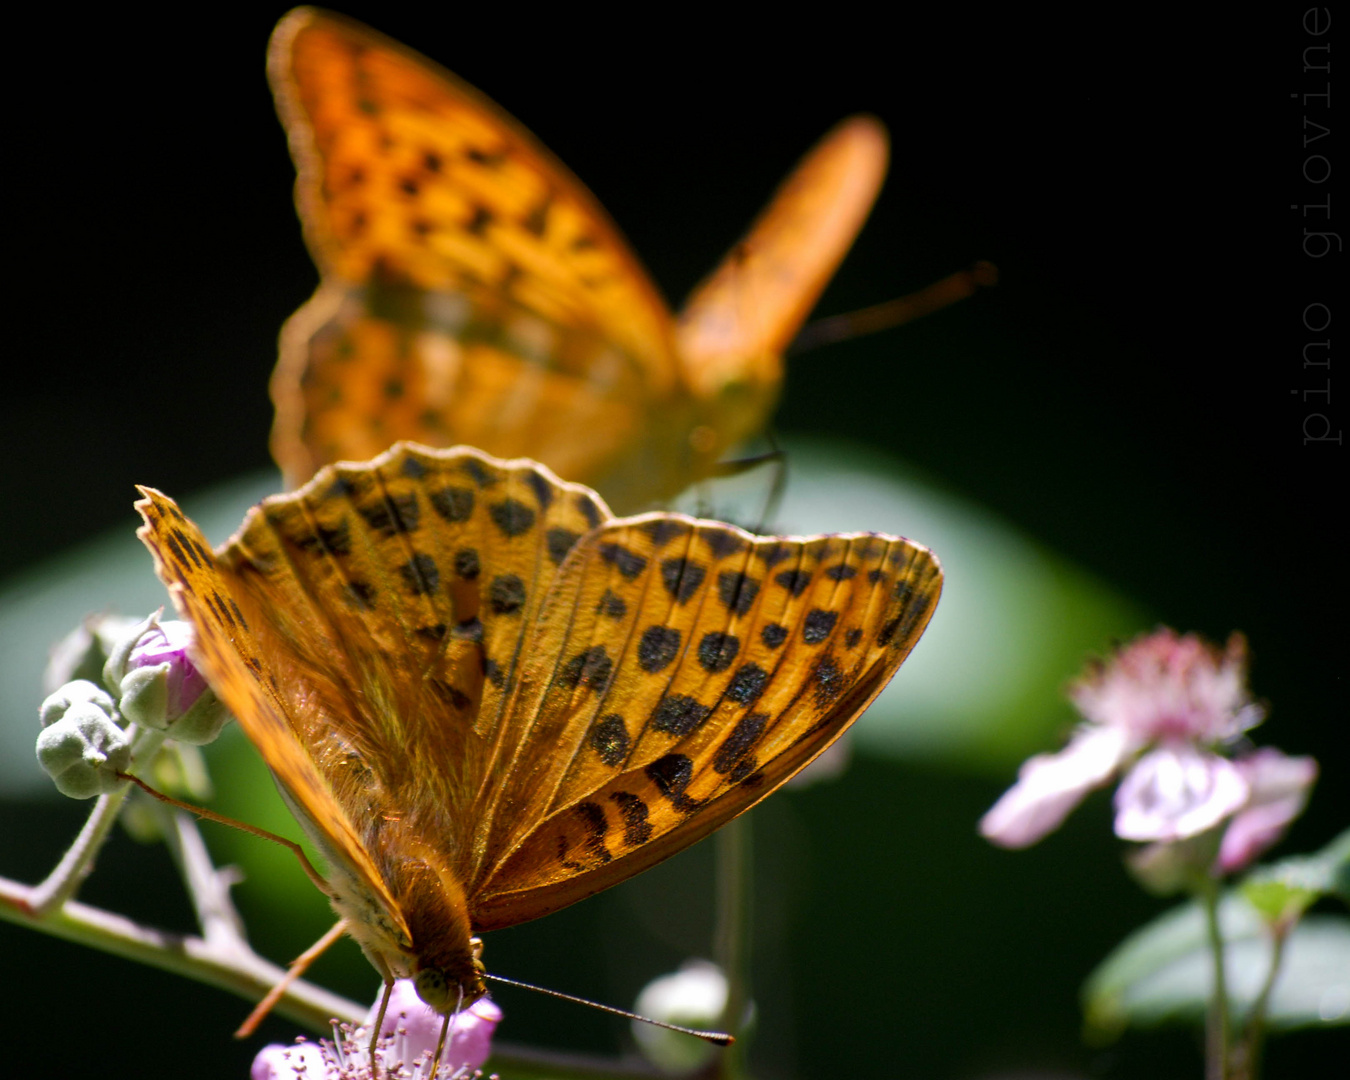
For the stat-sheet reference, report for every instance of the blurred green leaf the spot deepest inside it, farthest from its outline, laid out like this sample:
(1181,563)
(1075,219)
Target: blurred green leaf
(1163,972)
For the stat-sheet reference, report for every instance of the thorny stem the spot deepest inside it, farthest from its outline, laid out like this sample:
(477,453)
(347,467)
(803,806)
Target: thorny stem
(61,884)
(731,946)
(1217,1027)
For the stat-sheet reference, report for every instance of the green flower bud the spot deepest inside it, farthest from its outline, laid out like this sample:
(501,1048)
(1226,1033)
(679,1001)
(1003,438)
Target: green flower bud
(83,750)
(80,691)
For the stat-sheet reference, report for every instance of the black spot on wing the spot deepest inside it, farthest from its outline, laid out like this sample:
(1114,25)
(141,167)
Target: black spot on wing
(774,634)
(512,516)
(360,594)
(393,514)
(817,625)
(559,542)
(543,490)
(480,473)
(717,650)
(592,668)
(841,571)
(722,542)
(743,736)
(671,775)
(737,590)
(420,575)
(609,739)
(506,594)
(589,510)
(664,530)
(794,581)
(629,563)
(633,812)
(747,684)
(591,817)
(612,605)
(454,504)
(828,680)
(678,714)
(681,578)
(467,565)
(658,646)
(336,540)
(852,637)
(773,554)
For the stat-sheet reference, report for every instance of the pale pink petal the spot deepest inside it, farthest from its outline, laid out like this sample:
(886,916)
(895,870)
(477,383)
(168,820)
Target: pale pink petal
(1279,791)
(470,1039)
(1177,791)
(1050,785)
(277,1062)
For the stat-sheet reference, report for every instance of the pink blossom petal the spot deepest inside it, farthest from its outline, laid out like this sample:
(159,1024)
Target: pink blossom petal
(277,1062)
(469,1042)
(1050,785)
(1279,791)
(1177,791)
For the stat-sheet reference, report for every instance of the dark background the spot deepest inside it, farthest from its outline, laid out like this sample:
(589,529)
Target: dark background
(1124,396)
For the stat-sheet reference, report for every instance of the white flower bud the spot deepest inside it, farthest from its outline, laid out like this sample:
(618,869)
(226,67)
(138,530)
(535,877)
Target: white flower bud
(695,996)
(79,691)
(83,751)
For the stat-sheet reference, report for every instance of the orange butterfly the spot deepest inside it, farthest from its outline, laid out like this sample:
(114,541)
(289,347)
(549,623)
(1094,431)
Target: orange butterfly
(473,291)
(485,698)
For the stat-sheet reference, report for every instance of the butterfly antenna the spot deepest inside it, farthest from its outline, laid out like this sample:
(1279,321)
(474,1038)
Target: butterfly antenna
(902,309)
(717,1038)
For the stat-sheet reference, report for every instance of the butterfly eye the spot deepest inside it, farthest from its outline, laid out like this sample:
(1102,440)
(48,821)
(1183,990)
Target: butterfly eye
(432,988)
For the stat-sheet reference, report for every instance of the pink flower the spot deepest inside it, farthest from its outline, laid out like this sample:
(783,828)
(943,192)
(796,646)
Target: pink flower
(167,643)
(1176,698)
(1279,787)
(408,1039)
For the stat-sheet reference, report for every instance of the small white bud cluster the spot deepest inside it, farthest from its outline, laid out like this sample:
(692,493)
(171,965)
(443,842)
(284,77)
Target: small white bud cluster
(151,682)
(81,746)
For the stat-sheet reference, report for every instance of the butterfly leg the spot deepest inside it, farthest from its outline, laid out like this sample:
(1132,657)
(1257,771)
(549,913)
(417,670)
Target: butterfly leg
(298,967)
(776,459)
(379,1023)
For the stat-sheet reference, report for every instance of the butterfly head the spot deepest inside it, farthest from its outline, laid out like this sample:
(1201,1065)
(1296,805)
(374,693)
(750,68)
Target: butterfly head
(450,989)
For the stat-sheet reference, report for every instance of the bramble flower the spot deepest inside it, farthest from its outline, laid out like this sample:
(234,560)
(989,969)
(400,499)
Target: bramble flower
(159,686)
(1279,787)
(407,1042)
(1162,706)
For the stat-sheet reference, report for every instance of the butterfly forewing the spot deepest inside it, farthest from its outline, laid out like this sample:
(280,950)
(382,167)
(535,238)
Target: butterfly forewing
(473,290)
(256,685)
(680,671)
(739,321)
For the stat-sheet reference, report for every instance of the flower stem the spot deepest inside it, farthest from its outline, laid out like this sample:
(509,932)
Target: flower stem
(1217,1025)
(1248,1066)
(61,884)
(731,943)
(237,969)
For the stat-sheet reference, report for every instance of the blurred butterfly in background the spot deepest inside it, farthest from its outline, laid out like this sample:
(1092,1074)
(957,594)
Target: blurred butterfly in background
(473,291)
(485,698)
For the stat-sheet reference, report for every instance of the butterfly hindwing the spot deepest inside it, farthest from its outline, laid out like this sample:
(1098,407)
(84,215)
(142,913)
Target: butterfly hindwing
(681,671)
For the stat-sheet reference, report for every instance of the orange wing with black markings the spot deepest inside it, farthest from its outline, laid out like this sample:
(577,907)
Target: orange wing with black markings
(473,291)
(486,698)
